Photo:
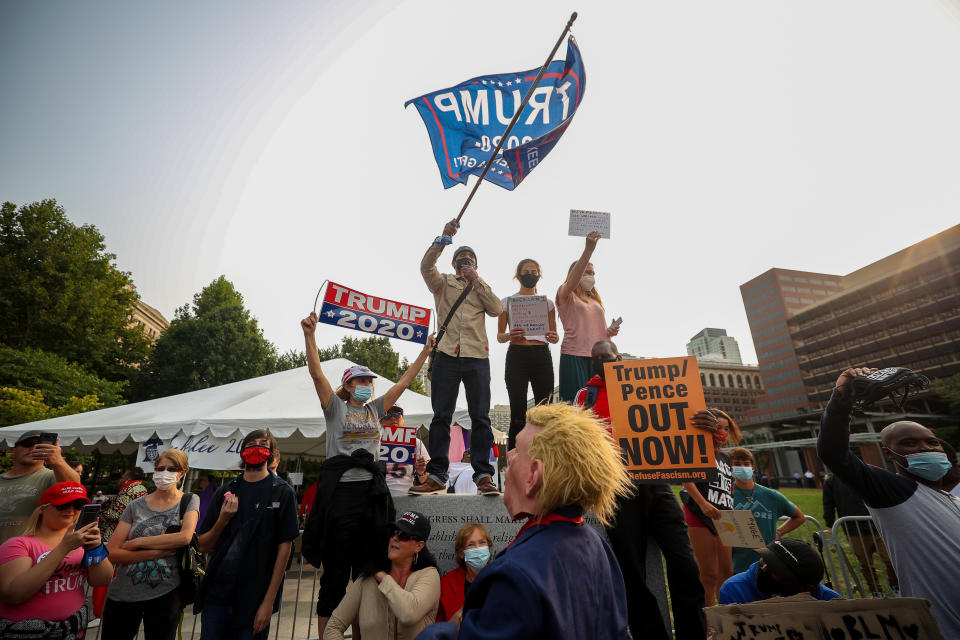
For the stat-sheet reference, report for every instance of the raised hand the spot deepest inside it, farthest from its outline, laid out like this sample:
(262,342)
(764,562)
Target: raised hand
(309,324)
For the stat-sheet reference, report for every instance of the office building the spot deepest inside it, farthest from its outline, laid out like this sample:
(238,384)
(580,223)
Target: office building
(715,342)
(732,387)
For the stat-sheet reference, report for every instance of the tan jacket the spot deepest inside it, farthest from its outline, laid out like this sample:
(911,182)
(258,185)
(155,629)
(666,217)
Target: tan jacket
(382,610)
(466,333)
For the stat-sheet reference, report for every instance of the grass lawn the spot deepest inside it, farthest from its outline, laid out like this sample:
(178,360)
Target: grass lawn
(810,501)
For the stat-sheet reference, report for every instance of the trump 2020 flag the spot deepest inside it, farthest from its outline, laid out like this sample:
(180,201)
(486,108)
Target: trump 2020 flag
(466,121)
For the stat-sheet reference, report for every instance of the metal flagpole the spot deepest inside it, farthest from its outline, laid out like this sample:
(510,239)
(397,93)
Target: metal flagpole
(516,115)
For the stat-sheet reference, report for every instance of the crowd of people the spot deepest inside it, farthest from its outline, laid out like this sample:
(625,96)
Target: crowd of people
(557,578)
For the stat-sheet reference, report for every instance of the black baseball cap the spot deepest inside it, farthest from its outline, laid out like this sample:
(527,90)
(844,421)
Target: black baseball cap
(26,436)
(793,560)
(464,249)
(414,524)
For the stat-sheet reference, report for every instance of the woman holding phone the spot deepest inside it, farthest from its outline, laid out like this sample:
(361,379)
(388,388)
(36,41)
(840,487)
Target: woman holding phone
(582,315)
(43,572)
(146,586)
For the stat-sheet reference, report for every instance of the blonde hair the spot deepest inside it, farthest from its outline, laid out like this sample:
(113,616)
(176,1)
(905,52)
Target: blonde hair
(586,296)
(460,542)
(33,523)
(735,435)
(177,457)
(581,464)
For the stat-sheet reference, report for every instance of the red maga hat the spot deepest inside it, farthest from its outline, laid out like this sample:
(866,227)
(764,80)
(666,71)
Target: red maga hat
(64,492)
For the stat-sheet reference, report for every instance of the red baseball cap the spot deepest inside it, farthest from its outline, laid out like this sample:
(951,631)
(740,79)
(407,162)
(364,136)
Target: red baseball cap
(64,492)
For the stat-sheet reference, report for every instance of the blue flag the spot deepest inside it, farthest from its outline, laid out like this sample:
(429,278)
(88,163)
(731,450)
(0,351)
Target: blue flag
(466,121)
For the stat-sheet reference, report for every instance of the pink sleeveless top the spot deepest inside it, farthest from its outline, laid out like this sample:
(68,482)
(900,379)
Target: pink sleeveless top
(583,325)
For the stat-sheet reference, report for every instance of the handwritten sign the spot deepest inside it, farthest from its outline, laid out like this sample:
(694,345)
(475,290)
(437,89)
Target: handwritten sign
(529,313)
(739,529)
(349,308)
(205,451)
(398,444)
(802,617)
(584,222)
(651,403)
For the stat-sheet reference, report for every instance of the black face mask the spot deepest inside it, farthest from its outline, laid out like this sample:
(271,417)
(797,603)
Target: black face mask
(597,364)
(529,280)
(771,587)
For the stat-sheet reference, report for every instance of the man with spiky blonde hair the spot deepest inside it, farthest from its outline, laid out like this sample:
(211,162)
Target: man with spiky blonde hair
(558,578)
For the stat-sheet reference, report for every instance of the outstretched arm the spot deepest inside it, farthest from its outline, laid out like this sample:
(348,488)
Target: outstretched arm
(573,278)
(408,376)
(320,382)
(428,265)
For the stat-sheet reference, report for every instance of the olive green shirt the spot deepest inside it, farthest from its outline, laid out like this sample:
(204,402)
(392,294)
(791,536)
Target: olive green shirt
(19,497)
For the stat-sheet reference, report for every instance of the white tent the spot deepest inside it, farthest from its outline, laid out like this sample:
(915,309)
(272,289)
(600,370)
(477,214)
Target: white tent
(284,402)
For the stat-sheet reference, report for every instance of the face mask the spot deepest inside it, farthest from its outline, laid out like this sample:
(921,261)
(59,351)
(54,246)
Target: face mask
(165,479)
(929,465)
(529,280)
(587,282)
(477,558)
(597,364)
(362,394)
(743,473)
(255,454)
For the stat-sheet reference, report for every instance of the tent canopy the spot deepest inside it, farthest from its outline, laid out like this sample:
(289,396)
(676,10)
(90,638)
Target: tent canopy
(284,402)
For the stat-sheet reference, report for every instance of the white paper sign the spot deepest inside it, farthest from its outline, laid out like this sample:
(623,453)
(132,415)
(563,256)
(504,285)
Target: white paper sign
(295,478)
(584,222)
(530,314)
(739,529)
(204,451)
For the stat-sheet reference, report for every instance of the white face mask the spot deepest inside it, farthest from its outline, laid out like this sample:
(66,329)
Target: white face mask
(587,282)
(165,479)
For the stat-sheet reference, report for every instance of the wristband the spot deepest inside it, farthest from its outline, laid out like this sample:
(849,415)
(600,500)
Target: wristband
(443,240)
(95,556)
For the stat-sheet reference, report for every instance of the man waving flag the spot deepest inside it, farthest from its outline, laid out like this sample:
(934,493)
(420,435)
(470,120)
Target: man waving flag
(466,121)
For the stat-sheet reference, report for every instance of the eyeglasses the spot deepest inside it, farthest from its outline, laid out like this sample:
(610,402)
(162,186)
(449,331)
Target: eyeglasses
(174,469)
(76,505)
(403,536)
(29,442)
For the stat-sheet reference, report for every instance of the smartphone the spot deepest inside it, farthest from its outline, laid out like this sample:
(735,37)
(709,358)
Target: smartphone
(616,323)
(47,438)
(89,514)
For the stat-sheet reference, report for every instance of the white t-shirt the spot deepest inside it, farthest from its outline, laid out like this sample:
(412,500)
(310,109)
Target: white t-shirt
(400,476)
(506,307)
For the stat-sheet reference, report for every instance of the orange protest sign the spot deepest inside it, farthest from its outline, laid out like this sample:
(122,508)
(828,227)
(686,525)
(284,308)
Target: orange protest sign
(651,403)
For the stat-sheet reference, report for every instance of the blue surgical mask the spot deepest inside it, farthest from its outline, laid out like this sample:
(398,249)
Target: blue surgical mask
(743,473)
(477,557)
(362,393)
(930,465)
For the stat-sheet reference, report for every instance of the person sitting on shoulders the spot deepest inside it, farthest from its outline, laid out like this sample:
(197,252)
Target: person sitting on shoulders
(786,567)
(473,547)
(396,597)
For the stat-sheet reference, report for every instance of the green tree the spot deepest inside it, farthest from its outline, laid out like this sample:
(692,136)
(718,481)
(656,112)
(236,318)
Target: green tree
(61,292)
(373,352)
(291,359)
(56,379)
(18,406)
(212,342)
(949,390)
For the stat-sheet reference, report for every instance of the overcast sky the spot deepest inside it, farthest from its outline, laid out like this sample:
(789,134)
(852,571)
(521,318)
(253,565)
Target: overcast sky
(267,141)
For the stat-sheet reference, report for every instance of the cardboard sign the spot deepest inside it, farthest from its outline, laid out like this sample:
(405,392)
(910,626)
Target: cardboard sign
(349,308)
(295,478)
(584,222)
(530,314)
(398,444)
(651,403)
(739,529)
(802,617)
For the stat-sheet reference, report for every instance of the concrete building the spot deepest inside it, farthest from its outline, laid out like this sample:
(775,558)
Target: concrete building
(150,320)
(729,386)
(715,342)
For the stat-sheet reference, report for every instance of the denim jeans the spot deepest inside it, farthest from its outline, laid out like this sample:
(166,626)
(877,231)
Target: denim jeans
(448,373)
(217,623)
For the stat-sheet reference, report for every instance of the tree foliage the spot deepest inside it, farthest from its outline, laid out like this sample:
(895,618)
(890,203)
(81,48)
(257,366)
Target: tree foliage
(61,292)
(56,379)
(949,390)
(291,359)
(18,406)
(212,342)
(374,352)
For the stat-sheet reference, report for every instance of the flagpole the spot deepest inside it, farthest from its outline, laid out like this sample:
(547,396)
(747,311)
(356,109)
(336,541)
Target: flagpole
(516,115)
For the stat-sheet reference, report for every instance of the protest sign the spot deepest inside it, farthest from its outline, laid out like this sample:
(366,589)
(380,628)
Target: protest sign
(349,308)
(801,617)
(651,403)
(739,529)
(584,222)
(529,313)
(205,451)
(398,444)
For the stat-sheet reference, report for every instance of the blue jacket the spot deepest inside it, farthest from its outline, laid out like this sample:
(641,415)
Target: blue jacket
(742,588)
(559,580)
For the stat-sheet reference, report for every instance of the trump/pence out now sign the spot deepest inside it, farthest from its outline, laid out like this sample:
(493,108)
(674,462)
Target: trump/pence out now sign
(651,404)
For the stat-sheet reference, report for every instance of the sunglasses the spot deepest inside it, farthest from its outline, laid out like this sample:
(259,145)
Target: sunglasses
(174,469)
(403,536)
(76,505)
